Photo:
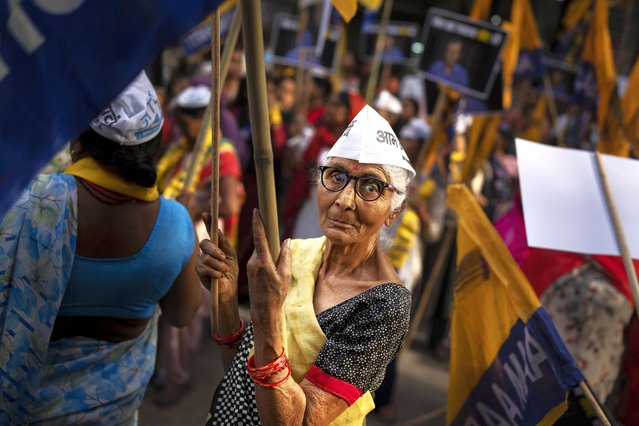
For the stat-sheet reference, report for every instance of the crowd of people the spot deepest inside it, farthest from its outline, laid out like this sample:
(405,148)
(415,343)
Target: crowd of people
(133,196)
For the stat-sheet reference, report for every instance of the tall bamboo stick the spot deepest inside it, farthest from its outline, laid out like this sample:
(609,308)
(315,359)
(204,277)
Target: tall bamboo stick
(230,43)
(260,127)
(215,154)
(619,232)
(229,47)
(379,50)
(440,107)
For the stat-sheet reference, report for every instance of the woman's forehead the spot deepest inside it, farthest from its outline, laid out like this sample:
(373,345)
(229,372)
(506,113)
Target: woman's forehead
(354,166)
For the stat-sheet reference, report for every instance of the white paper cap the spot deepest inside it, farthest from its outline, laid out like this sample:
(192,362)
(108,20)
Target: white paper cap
(134,117)
(193,97)
(386,101)
(369,139)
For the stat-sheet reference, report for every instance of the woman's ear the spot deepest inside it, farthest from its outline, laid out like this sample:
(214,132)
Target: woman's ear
(77,150)
(395,213)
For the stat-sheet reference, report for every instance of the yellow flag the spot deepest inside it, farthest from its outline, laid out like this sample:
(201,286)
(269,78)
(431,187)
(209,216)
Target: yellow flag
(346,8)
(598,52)
(508,365)
(576,11)
(481,140)
(630,102)
(630,107)
(480,9)
(371,4)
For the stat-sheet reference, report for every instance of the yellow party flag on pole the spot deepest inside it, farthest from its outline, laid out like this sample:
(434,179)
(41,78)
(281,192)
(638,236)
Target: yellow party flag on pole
(508,364)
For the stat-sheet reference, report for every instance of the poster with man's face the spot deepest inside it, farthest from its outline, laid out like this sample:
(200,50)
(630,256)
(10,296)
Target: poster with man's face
(399,39)
(286,50)
(461,53)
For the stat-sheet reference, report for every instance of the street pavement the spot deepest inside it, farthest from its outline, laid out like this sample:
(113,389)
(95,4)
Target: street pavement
(420,391)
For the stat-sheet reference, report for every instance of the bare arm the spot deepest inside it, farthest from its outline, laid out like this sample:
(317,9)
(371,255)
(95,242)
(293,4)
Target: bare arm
(185,296)
(288,403)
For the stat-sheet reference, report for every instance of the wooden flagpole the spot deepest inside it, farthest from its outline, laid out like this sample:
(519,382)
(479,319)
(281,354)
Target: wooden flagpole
(619,232)
(435,278)
(230,43)
(601,415)
(229,47)
(379,50)
(215,154)
(260,126)
(440,107)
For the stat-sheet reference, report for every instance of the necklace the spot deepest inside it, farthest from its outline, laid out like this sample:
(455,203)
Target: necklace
(104,195)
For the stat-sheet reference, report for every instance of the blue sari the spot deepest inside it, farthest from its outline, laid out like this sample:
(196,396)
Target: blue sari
(69,381)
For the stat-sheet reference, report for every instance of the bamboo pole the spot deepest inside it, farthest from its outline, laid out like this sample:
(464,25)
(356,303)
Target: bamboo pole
(260,127)
(230,43)
(601,415)
(441,262)
(229,47)
(379,50)
(215,155)
(440,107)
(550,96)
(619,232)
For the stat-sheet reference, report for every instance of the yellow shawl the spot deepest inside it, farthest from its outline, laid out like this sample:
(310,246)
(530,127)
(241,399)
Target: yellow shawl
(89,169)
(303,337)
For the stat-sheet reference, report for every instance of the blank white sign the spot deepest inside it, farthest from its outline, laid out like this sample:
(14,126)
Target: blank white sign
(564,204)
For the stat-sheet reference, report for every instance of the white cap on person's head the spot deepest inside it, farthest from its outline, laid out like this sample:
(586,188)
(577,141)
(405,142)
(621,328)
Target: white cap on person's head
(193,97)
(386,101)
(134,117)
(369,139)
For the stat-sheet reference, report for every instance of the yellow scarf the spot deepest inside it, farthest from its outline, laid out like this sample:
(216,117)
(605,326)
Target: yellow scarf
(89,169)
(303,336)
(171,184)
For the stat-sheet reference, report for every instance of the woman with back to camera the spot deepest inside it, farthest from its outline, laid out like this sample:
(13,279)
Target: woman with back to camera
(329,315)
(85,258)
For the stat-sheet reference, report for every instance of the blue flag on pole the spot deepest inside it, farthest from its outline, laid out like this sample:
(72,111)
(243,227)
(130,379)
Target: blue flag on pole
(62,62)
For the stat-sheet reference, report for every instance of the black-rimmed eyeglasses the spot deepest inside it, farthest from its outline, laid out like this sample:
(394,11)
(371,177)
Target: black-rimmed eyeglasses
(366,187)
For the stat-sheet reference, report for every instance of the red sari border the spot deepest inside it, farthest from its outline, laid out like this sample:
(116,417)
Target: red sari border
(334,386)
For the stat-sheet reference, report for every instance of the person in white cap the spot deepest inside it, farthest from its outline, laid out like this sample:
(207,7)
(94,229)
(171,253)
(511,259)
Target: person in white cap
(85,259)
(189,106)
(329,314)
(389,107)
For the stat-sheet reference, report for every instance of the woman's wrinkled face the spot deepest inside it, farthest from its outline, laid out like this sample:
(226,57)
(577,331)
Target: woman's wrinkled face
(347,219)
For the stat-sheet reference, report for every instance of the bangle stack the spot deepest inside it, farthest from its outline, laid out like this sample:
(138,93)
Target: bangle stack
(260,374)
(233,341)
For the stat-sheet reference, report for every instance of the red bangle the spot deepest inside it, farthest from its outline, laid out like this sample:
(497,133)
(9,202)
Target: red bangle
(234,340)
(272,385)
(260,374)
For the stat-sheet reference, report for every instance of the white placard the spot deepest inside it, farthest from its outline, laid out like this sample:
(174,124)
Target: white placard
(564,204)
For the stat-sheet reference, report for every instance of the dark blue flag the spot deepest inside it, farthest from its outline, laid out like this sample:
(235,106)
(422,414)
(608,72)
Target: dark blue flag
(62,62)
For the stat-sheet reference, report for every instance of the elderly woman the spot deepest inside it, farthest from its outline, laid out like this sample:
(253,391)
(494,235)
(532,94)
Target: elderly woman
(85,258)
(329,314)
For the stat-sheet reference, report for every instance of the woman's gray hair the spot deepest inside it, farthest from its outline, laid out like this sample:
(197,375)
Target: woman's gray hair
(399,179)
